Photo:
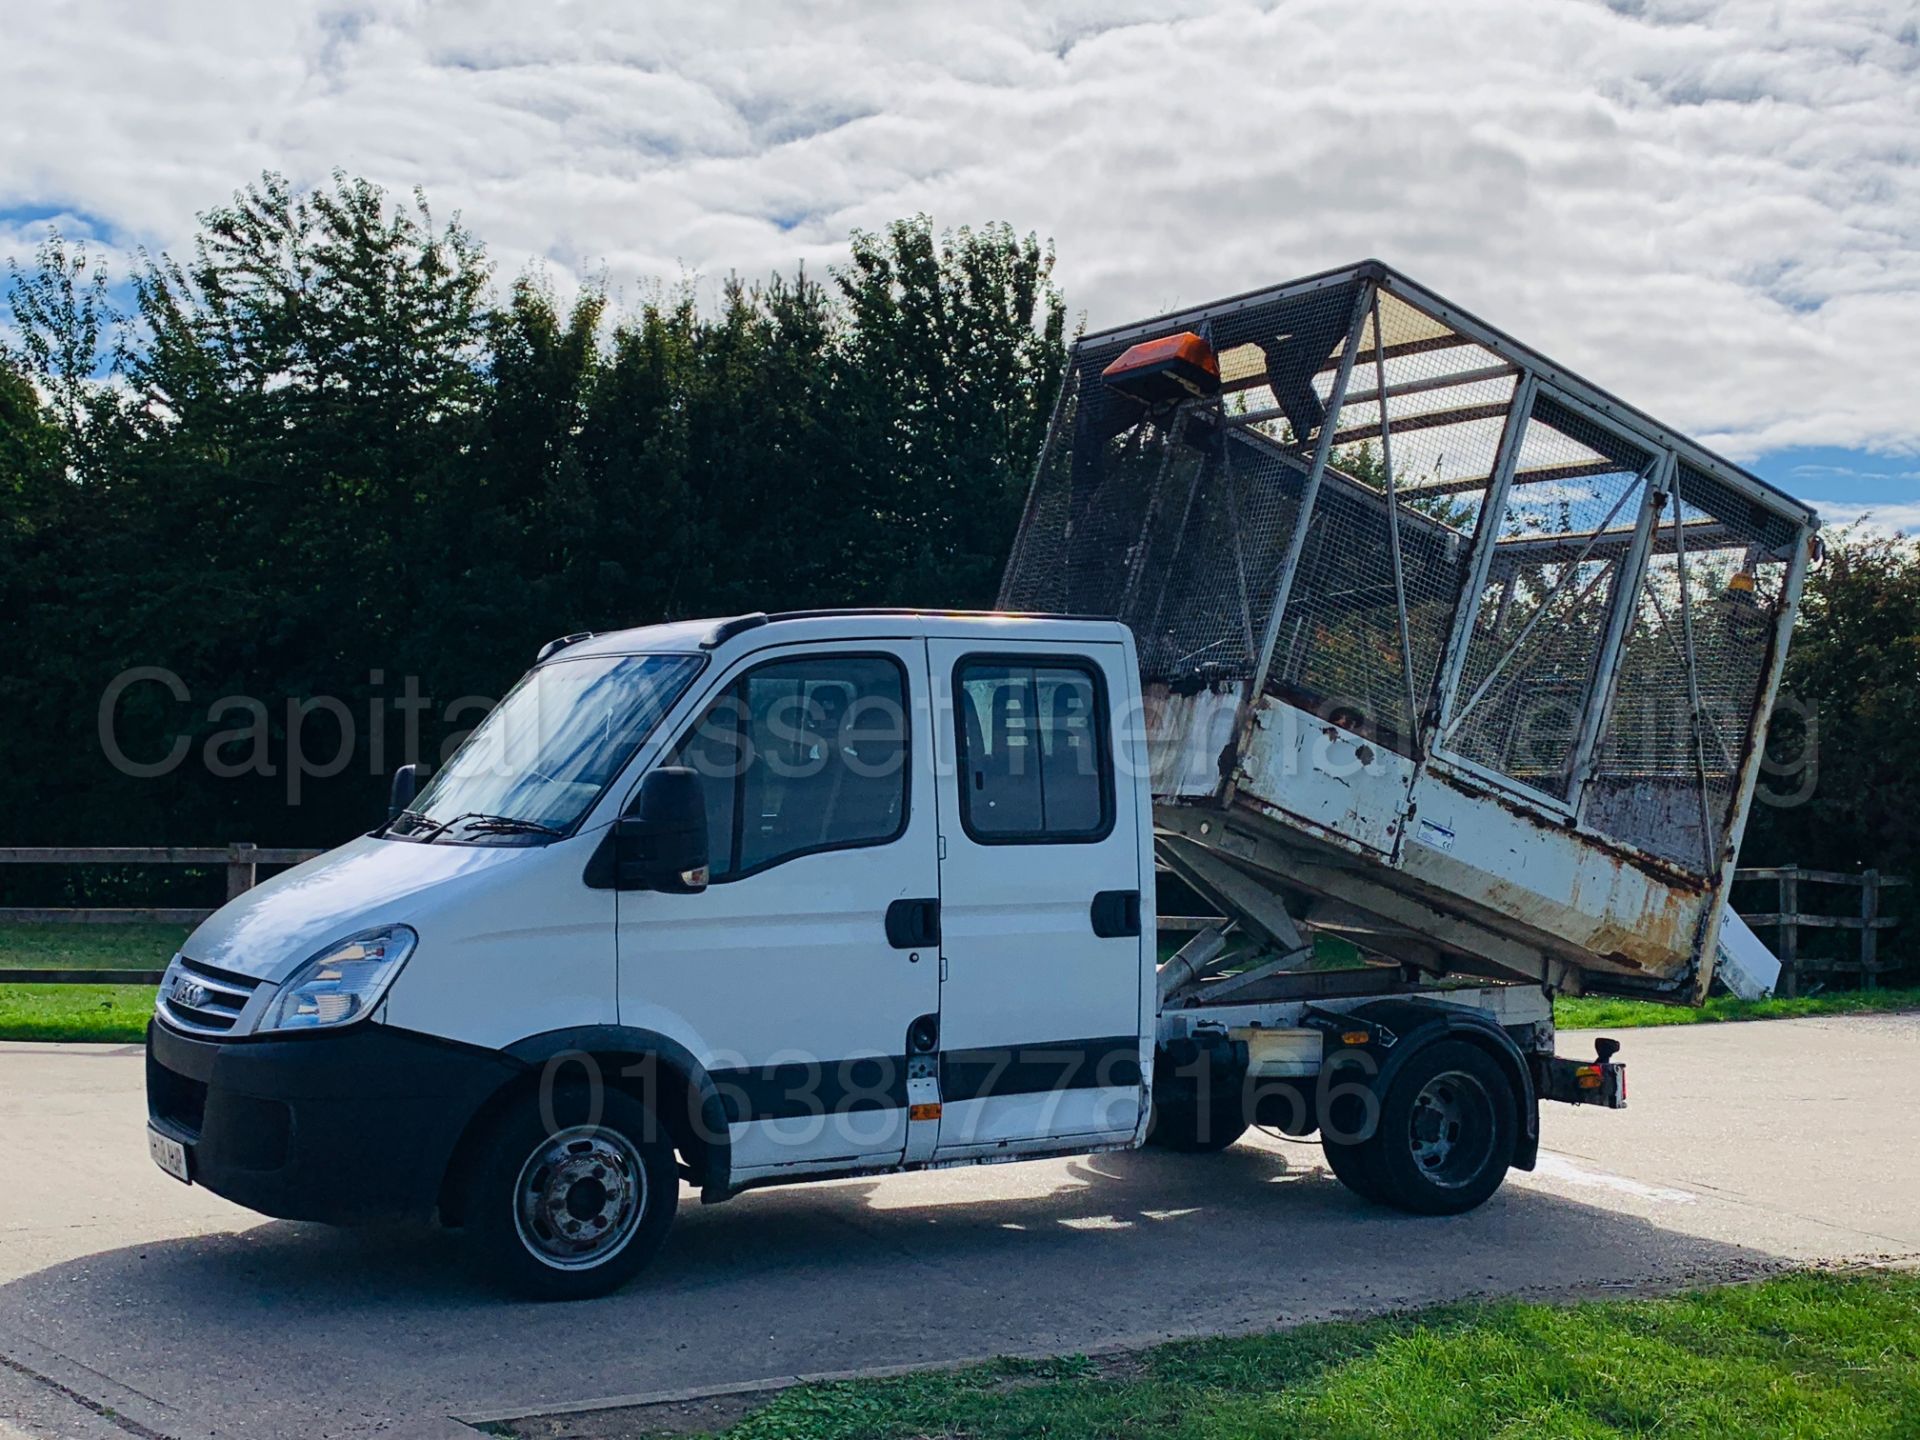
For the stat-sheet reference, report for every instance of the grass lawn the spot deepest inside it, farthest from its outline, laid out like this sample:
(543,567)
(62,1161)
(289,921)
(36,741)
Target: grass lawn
(81,1012)
(113,1012)
(89,947)
(75,1012)
(1581,1012)
(1806,1355)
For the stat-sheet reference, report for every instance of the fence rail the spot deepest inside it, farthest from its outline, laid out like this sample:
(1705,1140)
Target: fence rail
(1788,920)
(242,862)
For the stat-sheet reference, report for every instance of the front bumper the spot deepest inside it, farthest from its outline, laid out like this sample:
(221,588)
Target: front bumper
(350,1126)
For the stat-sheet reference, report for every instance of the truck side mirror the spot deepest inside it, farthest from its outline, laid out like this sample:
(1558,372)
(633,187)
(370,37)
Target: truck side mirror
(406,784)
(662,840)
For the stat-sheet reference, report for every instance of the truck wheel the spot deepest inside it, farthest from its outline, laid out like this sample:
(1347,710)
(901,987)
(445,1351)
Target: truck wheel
(1179,1122)
(1354,1166)
(1447,1131)
(576,1210)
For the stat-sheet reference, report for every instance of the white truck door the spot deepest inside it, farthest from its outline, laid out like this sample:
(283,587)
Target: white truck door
(1040,893)
(795,973)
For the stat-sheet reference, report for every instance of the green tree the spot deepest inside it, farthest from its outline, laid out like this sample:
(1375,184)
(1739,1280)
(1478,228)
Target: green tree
(322,454)
(1854,668)
(947,373)
(68,331)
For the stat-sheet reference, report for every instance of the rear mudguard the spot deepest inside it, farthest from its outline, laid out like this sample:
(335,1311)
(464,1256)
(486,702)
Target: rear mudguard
(1397,1030)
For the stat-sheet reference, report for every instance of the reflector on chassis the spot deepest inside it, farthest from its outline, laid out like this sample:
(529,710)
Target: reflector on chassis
(1446,650)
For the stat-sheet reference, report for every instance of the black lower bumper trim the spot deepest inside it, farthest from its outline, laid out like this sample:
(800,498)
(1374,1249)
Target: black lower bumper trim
(352,1126)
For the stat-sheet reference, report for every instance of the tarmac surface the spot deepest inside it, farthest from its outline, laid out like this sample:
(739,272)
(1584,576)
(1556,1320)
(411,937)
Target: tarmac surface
(132,1305)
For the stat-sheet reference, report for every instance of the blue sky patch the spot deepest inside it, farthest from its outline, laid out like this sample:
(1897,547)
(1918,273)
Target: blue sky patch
(1843,483)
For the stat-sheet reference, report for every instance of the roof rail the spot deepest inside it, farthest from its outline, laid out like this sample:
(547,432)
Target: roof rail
(725,630)
(554,647)
(945,612)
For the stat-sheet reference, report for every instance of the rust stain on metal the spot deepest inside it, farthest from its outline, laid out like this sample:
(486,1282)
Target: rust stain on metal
(1621,855)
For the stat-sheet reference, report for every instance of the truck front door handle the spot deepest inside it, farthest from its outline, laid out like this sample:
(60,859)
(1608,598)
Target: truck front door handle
(913,924)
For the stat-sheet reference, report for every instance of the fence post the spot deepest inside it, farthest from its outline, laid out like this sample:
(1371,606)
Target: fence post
(1869,935)
(1790,928)
(240,868)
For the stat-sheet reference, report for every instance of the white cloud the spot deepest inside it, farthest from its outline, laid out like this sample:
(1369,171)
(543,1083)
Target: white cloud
(1902,518)
(1711,208)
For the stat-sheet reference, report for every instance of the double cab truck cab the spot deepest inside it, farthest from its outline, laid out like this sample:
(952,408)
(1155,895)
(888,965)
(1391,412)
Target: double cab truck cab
(739,902)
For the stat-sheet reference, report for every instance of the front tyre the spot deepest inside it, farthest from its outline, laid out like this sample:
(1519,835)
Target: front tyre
(568,1205)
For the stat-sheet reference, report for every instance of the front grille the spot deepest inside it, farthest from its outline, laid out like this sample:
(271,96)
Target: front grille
(201,999)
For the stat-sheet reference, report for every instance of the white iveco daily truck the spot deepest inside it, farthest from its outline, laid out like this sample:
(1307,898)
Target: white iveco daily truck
(1438,676)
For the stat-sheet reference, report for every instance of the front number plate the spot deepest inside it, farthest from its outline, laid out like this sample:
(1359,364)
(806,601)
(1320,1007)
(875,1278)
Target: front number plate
(169,1154)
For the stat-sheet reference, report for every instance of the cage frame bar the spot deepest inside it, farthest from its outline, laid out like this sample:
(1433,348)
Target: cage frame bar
(1606,680)
(1749,776)
(1393,532)
(1486,536)
(1303,521)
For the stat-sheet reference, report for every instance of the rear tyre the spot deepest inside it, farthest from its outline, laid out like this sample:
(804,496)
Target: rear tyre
(1448,1128)
(571,1204)
(1354,1166)
(1182,1123)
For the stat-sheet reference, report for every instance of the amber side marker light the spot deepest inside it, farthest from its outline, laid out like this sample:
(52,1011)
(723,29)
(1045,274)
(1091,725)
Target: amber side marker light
(1167,370)
(923,1112)
(1354,1037)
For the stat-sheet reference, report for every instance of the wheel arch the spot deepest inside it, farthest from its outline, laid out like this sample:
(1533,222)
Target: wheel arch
(653,1067)
(1417,1025)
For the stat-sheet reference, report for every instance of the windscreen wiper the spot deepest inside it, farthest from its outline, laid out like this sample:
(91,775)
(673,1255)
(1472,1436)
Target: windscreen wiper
(480,821)
(509,825)
(413,815)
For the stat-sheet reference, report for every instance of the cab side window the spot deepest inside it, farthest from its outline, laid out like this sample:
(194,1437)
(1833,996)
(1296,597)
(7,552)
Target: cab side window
(1035,761)
(799,756)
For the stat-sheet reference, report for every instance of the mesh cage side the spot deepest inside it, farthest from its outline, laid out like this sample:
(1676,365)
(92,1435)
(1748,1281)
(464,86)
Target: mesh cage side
(1564,534)
(1425,409)
(1172,519)
(1655,766)
(1036,577)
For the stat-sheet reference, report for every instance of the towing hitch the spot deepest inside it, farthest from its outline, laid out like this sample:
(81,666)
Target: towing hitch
(1599,1081)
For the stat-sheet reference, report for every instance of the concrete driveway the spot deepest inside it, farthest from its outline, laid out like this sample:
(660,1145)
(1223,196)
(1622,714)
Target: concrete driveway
(132,1305)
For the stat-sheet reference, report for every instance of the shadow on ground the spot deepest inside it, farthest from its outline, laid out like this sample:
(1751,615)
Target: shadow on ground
(287,1329)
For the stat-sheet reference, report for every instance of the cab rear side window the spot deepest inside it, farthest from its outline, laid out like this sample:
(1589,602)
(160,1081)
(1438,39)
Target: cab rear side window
(1036,764)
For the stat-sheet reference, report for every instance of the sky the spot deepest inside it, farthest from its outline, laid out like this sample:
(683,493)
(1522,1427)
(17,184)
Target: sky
(1709,207)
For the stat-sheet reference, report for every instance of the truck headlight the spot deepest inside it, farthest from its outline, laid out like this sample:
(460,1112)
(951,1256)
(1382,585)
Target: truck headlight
(342,983)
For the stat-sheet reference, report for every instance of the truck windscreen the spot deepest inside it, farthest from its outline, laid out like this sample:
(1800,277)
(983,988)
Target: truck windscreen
(545,752)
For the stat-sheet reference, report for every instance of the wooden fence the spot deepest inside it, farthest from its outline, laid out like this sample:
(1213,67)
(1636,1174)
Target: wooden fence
(1787,920)
(242,864)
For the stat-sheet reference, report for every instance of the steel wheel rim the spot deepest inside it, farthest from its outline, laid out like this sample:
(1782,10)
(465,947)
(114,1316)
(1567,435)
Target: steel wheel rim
(1451,1128)
(579,1197)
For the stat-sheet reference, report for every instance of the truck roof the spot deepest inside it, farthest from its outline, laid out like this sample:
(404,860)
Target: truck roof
(789,626)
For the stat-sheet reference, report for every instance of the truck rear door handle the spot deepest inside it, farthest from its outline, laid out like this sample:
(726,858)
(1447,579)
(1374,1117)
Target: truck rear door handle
(1116,914)
(913,924)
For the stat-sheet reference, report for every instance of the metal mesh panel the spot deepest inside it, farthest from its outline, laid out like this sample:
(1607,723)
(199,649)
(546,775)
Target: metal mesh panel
(1035,579)
(1177,520)
(1661,782)
(1206,582)
(1425,408)
(1564,533)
